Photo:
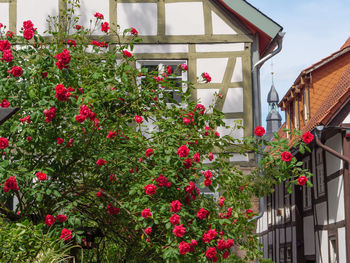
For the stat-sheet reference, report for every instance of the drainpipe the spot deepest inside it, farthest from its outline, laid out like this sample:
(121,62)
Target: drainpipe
(257,104)
(331,151)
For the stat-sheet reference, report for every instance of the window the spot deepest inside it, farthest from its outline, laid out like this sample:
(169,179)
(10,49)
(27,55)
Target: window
(289,253)
(160,66)
(320,172)
(282,255)
(269,206)
(307,201)
(305,109)
(333,250)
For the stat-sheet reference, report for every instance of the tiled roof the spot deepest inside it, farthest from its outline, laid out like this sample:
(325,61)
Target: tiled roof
(346,44)
(330,105)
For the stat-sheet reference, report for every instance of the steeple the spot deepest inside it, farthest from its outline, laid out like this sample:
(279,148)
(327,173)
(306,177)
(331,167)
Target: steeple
(273,119)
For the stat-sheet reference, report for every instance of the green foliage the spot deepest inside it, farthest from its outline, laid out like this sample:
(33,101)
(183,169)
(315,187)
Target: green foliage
(103,203)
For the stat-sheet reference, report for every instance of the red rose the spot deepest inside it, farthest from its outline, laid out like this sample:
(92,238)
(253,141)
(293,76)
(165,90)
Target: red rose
(44,74)
(206,77)
(4,143)
(29,138)
(183,151)
(7,55)
(158,79)
(105,27)
(229,243)
(259,131)
(188,163)
(302,180)
(111,134)
(66,234)
(209,235)
(193,243)
(62,93)
(307,137)
(71,42)
(100,193)
(11,184)
(138,119)
(146,213)
(175,206)
(78,27)
(63,59)
(196,157)
(211,156)
(179,231)
(148,230)
(101,162)
(5,103)
(49,220)
(161,180)
(80,118)
(221,201)
(202,213)
(9,34)
(98,15)
(28,34)
(134,31)
(112,210)
(207,182)
(210,253)
(249,213)
(61,218)
(221,244)
(174,219)
(186,120)
(150,189)
(28,24)
(41,176)
(184,67)
(127,53)
(200,107)
(50,114)
(149,152)
(286,156)
(5,45)
(70,142)
(16,71)
(225,254)
(208,174)
(59,140)
(184,248)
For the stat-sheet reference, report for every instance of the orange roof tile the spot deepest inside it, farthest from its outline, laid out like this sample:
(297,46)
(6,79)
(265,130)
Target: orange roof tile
(346,44)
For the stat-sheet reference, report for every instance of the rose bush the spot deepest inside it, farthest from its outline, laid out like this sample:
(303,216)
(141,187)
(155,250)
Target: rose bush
(112,184)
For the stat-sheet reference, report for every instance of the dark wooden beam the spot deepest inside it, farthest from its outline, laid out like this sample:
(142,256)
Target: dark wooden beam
(6,113)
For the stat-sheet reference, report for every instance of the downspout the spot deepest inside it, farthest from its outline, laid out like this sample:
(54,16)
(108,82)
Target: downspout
(331,151)
(257,104)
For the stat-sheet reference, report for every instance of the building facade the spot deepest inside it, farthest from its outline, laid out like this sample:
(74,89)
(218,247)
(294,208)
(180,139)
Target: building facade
(223,38)
(313,223)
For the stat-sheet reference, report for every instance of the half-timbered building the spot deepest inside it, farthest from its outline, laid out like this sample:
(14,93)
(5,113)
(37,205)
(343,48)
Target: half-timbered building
(313,224)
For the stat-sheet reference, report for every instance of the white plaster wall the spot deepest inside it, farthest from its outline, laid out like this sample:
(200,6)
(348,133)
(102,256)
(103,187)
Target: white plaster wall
(321,211)
(347,119)
(225,47)
(37,11)
(309,238)
(238,71)
(184,18)
(282,236)
(342,245)
(232,131)
(270,235)
(238,158)
(214,66)
(4,14)
(165,48)
(87,10)
(142,16)
(322,246)
(207,97)
(265,244)
(334,164)
(220,26)
(233,101)
(336,200)
(288,234)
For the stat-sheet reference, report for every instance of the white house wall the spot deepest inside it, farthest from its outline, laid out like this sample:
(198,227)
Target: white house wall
(232,131)
(184,18)
(237,75)
(233,101)
(220,27)
(214,66)
(334,164)
(336,200)
(225,47)
(37,11)
(321,211)
(347,119)
(309,238)
(322,246)
(342,242)
(142,16)
(207,97)
(160,48)
(4,14)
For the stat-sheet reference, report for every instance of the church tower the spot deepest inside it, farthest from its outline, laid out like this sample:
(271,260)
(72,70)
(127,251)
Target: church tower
(273,118)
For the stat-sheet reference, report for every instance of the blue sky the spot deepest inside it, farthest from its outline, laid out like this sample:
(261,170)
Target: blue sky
(314,30)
